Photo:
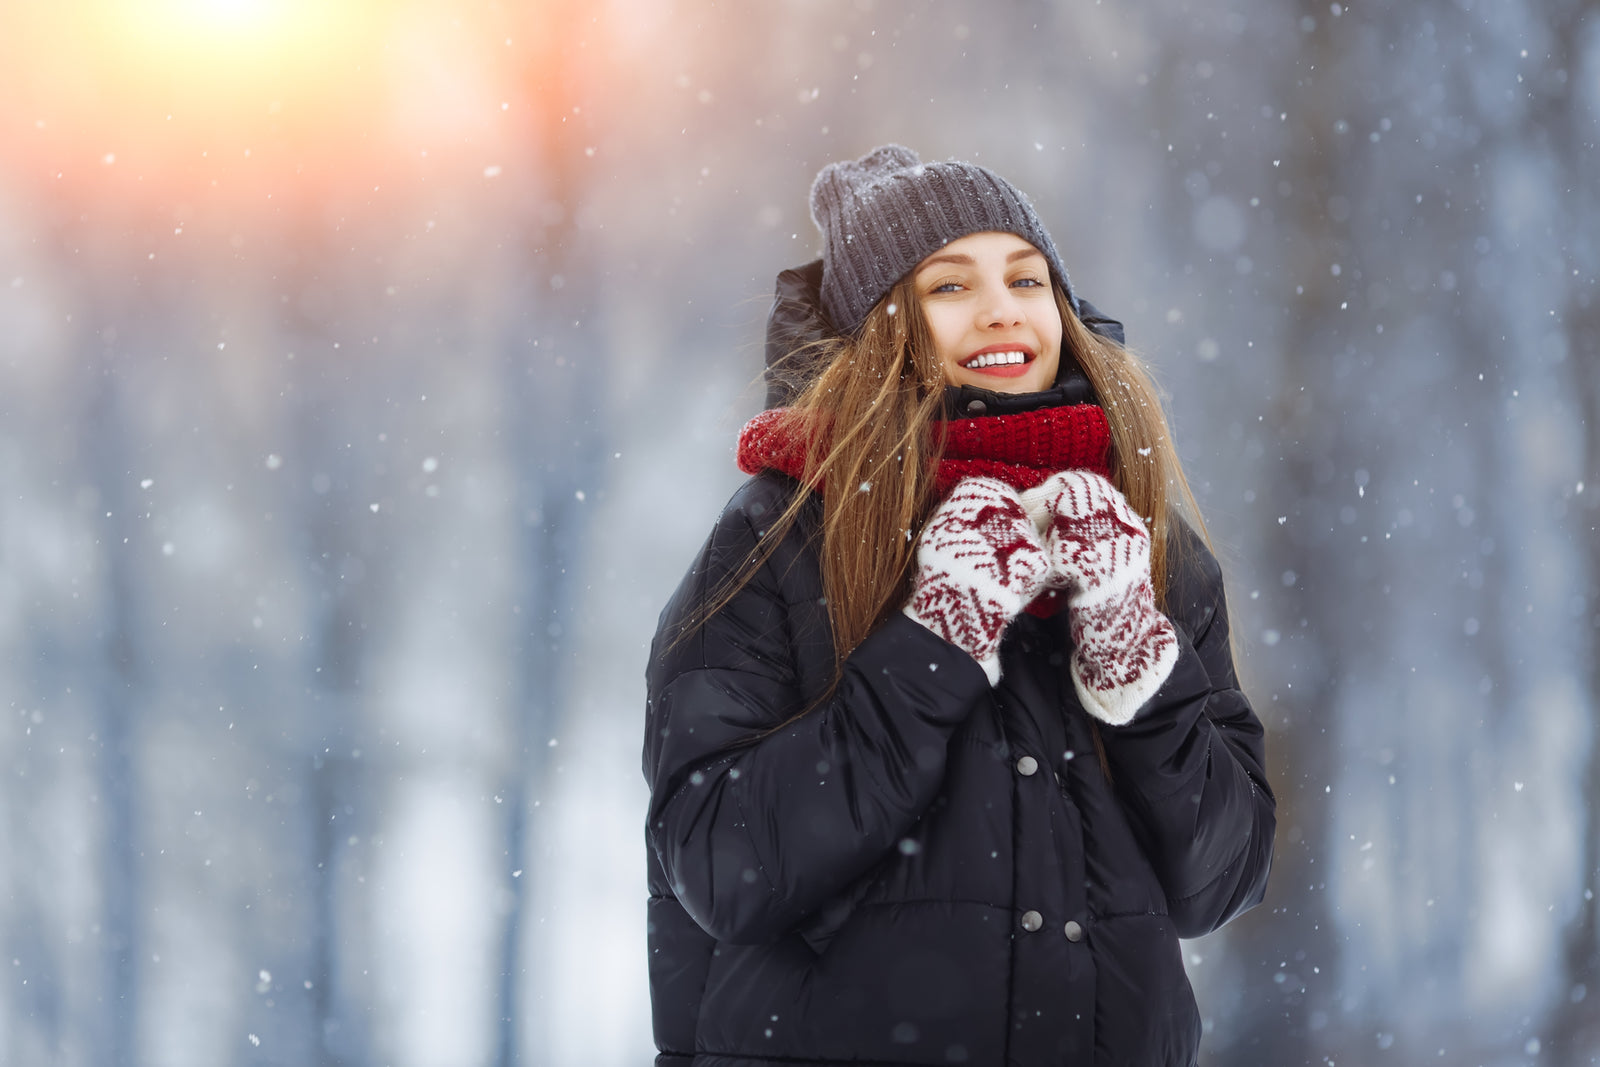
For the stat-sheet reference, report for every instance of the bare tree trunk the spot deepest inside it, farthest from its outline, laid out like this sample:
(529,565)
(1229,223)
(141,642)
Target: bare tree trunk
(1559,121)
(1292,947)
(117,705)
(344,607)
(554,363)
(341,1036)
(348,572)
(1574,1022)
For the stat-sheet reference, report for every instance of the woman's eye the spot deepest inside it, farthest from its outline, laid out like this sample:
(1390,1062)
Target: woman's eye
(945,287)
(1027,283)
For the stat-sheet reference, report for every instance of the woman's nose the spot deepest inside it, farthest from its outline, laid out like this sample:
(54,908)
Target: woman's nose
(1000,308)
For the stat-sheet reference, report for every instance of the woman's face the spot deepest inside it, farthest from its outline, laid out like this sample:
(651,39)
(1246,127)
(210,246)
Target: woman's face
(989,304)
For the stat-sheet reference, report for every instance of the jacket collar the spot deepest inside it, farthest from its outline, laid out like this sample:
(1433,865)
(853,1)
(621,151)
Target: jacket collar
(971,402)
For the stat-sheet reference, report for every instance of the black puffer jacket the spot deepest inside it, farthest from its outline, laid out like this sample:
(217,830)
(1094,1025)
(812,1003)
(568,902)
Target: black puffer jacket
(921,869)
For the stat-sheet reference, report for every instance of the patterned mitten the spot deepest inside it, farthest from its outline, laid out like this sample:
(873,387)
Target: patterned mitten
(1100,554)
(979,560)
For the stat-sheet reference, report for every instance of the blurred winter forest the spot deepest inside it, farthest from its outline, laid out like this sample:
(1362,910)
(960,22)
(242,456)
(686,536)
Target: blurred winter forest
(369,373)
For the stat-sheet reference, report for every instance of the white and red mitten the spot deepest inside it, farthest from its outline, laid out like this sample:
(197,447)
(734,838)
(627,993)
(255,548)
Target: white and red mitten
(1100,555)
(979,561)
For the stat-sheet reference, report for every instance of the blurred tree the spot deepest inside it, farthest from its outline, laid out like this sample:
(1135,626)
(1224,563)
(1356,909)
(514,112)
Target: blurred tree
(347,570)
(120,678)
(555,368)
(118,684)
(1574,1023)
(1565,125)
(1291,951)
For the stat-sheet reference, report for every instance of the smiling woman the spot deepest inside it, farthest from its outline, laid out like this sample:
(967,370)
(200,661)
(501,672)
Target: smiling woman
(958,569)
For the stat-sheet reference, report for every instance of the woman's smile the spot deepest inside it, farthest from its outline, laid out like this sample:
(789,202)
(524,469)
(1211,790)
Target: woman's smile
(1000,361)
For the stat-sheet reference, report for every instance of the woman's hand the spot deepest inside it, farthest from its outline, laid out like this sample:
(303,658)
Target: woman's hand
(1100,555)
(979,561)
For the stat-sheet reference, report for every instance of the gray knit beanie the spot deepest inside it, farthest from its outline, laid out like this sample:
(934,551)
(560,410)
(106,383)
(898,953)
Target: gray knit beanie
(884,213)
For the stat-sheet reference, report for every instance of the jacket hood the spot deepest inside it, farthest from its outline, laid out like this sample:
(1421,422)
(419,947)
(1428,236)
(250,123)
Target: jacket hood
(797,320)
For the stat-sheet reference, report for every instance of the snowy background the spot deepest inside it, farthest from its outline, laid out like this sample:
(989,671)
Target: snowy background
(369,373)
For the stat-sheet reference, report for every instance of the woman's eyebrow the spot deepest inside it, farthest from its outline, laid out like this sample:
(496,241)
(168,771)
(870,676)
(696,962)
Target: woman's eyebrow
(949,257)
(966,261)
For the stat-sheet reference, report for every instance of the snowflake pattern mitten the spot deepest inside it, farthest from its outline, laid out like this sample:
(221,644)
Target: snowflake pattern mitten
(979,561)
(1124,647)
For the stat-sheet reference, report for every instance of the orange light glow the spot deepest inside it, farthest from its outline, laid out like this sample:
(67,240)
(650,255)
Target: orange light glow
(234,12)
(232,46)
(255,102)
(168,88)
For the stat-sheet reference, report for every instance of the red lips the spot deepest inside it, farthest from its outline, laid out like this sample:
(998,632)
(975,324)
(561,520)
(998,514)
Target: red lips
(1001,370)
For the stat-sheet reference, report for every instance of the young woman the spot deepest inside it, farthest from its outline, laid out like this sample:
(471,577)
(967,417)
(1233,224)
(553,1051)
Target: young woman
(944,741)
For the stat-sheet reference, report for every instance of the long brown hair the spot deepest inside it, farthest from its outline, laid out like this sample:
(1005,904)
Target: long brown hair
(1144,462)
(871,414)
(866,413)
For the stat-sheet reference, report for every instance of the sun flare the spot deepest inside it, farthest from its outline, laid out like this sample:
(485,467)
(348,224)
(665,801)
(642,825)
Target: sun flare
(201,50)
(167,88)
(235,30)
(236,13)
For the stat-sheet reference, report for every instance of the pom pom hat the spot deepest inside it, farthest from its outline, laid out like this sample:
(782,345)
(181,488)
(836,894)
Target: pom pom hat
(884,213)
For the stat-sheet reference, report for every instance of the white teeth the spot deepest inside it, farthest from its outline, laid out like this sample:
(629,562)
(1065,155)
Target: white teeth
(995,359)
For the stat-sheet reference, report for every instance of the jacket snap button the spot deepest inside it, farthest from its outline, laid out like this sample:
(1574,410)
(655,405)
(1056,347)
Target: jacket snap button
(976,407)
(1031,921)
(1027,765)
(1073,931)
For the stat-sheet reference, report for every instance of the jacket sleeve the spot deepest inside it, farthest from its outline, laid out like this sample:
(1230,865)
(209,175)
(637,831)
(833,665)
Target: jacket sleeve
(1190,766)
(762,810)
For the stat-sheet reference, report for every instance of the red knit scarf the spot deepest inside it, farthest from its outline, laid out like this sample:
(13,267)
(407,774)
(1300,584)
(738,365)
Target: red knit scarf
(1021,450)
